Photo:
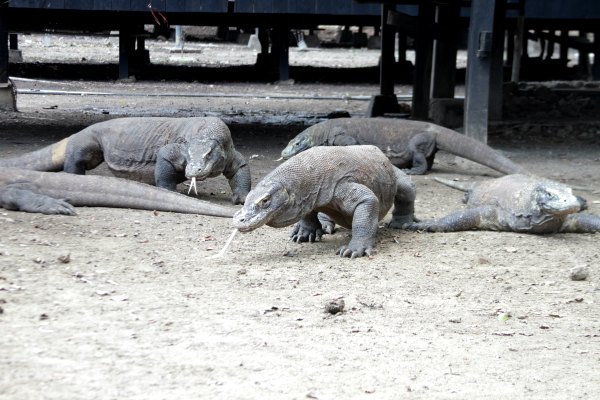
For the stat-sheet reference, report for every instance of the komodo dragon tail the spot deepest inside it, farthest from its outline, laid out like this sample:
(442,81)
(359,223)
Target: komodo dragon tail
(49,158)
(106,191)
(474,150)
(462,186)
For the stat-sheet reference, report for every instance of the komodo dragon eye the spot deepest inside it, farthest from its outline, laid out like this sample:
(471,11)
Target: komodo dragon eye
(264,201)
(548,195)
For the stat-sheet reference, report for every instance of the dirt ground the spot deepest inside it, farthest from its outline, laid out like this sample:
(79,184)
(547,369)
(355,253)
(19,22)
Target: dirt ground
(126,304)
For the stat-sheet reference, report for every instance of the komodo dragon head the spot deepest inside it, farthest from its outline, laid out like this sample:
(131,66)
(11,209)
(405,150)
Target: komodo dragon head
(301,142)
(269,203)
(204,159)
(557,199)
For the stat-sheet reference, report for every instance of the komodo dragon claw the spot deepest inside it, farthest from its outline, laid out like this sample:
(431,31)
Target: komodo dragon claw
(301,234)
(354,252)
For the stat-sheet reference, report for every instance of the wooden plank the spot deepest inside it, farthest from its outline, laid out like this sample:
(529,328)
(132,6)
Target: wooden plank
(55,4)
(79,4)
(175,5)
(302,7)
(209,6)
(108,5)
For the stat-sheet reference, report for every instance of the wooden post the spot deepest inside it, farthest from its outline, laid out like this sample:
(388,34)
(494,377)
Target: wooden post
(3,45)
(596,66)
(479,65)
(444,51)
(386,101)
(518,49)
(386,65)
(423,58)
(126,50)
(280,49)
(497,62)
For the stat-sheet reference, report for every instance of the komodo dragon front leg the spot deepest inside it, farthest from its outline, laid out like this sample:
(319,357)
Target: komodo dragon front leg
(350,199)
(483,217)
(361,203)
(170,166)
(309,228)
(581,223)
(418,154)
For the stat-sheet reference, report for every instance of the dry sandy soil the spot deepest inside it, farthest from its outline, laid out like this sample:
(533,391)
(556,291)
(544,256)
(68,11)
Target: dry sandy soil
(125,304)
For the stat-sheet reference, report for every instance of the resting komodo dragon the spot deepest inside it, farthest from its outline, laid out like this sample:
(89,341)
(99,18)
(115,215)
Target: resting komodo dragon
(515,203)
(157,150)
(407,143)
(57,193)
(355,186)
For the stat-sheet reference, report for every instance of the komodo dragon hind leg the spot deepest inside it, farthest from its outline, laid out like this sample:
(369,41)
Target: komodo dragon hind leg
(240,180)
(581,223)
(82,154)
(26,197)
(422,147)
(404,201)
(327,224)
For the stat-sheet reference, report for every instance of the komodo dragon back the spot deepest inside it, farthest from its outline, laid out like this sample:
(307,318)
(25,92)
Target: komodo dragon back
(407,143)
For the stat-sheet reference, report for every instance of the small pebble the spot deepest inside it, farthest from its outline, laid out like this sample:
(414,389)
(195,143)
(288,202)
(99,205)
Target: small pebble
(579,273)
(335,306)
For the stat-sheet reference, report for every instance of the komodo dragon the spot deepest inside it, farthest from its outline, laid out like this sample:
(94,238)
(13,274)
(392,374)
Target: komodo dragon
(57,193)
(515,203)
(355,186)
(157,150)
(407,143)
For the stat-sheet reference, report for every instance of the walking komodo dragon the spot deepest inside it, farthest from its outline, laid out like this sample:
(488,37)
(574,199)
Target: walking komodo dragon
(355,186)
(57,193)
(409,144)
(157,150)
(515,203)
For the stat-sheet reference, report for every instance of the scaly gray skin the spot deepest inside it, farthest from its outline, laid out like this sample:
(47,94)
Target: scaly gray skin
(407,143)
(355,186)
(156,150)
(57,193)
(516,203)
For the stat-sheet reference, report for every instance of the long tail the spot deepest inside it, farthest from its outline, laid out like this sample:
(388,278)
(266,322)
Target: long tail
(474,150)
(49,158)
(462,186)
(105,191)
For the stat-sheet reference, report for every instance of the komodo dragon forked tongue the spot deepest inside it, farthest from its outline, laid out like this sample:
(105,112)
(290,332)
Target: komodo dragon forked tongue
(462,186)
